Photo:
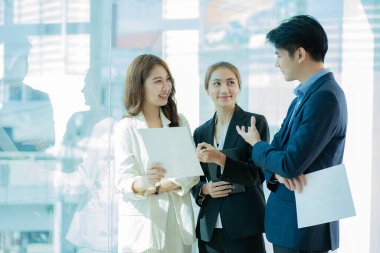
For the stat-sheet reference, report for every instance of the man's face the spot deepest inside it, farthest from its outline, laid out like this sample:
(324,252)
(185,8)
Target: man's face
(288,64)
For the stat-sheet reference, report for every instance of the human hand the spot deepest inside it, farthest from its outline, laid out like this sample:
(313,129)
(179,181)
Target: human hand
(209,154)
(252,135)
(218,189)
(151,190)
(293,184)
(147,182)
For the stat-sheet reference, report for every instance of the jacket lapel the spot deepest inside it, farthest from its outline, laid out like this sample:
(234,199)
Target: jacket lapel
(209,135)
(232,135)
(312,89)
(165,121)
(320,81)
(286,125)
(141,121)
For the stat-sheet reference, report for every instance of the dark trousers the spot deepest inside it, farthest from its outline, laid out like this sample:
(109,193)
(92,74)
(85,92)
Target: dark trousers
(220,244)
(279,249)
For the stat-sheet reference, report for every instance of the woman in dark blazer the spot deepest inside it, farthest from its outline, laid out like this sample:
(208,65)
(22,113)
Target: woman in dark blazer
(230,194)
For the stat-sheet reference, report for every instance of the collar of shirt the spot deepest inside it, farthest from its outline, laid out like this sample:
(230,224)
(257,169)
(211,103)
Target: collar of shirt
(302,88)
(165,121)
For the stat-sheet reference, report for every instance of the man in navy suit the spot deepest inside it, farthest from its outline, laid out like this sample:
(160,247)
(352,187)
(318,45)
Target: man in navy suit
(311,138)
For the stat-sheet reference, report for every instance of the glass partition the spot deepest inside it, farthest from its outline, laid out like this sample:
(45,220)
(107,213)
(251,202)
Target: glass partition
(56,126)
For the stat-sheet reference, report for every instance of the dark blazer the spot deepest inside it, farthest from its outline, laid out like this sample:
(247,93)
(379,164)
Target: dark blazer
(242,214)
(313,141)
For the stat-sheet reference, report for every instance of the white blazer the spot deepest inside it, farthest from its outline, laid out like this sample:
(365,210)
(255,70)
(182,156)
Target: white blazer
(142,218)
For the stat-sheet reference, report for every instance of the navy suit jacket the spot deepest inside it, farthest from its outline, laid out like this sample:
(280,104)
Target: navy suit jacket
(242,214)
(314,140)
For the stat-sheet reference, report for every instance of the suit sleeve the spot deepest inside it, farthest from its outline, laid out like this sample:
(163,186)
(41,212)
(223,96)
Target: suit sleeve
(277,137)
(262,127)
(246,172)
(196,189)
(306,144)
(126,166)
(271,185)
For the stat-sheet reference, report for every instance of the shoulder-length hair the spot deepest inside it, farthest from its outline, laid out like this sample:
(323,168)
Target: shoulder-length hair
(221,64)
(138,71)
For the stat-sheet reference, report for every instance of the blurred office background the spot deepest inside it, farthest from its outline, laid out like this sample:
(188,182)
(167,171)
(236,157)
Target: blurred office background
(62,71)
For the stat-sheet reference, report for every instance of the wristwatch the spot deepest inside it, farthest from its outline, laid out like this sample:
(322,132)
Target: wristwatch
(158,185)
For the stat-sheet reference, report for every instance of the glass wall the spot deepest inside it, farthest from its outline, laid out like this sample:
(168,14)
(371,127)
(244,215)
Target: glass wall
(62,70)
(56,124)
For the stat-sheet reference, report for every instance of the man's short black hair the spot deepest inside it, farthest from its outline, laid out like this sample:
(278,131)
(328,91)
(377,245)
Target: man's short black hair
(300,31)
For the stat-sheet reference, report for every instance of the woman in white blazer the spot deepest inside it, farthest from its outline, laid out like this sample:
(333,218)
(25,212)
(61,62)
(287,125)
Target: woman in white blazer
(155,213)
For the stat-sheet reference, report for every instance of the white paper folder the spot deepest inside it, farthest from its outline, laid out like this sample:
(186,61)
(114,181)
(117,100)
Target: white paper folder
(326,197)
(174,149)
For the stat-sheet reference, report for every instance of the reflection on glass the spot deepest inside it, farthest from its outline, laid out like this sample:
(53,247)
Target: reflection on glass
(80,124)
(26,131)
(41,50)
(26,113)
(93,227)
(86,182)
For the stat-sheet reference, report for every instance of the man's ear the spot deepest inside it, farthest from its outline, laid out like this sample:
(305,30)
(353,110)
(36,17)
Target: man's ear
(301,54)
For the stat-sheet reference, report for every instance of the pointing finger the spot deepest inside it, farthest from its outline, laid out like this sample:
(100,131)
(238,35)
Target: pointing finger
(253,121)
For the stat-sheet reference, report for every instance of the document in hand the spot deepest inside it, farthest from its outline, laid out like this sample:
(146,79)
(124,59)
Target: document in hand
(325,198)
(174,149)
